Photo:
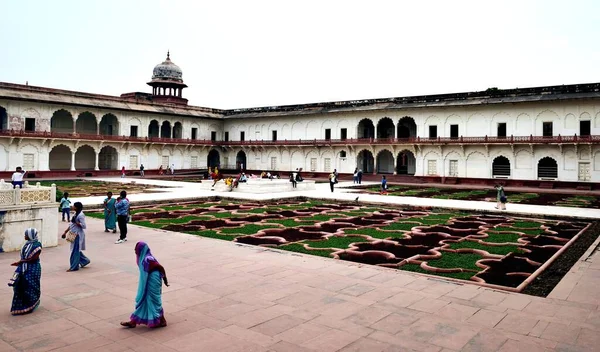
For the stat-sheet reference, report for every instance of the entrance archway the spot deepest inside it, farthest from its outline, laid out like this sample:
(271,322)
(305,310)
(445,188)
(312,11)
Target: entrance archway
(365,161)
(62,122)
(385,162)
(3,119)
(60,158)
(365,129)
(177,130)
(213,159)
(85,158)
(108,158)
(407,128)
(109,125)
(406,163)
(240,160)
(385,129)
(501,167)
(165,130)
(153,129)
(86,123)
(547,168)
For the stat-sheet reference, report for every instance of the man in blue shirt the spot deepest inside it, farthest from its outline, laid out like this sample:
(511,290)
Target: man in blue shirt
(122,208)
(383,185)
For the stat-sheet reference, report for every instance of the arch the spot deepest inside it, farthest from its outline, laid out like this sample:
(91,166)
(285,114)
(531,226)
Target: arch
(109,125)
(240,160)
(62,121)
(407,128)
(523,127)
(385,162)
(85,158)
(153,129)
(108,158)
(165,130)
(501,167)
(178,130)
(342,154)
(477,125)
(59,158)
(3,118)
(547,168)
(365,161)
(476,165)
(365,129)
(386,129)
(406,163)
(213,159)
(312,130)
(86,123)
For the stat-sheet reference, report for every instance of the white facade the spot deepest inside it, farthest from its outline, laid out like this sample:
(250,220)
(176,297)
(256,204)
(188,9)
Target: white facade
(269,134)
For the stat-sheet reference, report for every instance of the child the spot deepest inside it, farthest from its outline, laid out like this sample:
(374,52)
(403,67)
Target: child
(383,185)
(65,206)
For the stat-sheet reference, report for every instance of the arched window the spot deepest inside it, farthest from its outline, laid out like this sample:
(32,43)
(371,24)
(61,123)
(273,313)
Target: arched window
(343,154)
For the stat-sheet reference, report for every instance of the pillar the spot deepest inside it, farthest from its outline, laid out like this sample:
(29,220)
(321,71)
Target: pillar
(374,165)
(72,161)
(96,165)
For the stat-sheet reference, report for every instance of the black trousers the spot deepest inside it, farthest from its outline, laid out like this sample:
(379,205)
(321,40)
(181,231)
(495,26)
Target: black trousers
(331,185)
(122,221)
(294,183)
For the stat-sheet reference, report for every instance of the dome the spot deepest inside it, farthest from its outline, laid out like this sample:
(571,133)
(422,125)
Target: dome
(167,71)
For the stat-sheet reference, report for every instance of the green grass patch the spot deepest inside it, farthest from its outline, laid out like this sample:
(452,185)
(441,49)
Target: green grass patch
(416,268)
(320,217)
(451,260)
(526,224)
(496,237)
(95,215)
(369,231)
(259,210)
(298,248)
(148,224)
(336,242)
(151,210)
(174,207)
(290,222)
(500,250)
(182,220)
(400,226)
(525,231)
(519,197)
(460,195)
(249,229)
(212,234)
(225,215)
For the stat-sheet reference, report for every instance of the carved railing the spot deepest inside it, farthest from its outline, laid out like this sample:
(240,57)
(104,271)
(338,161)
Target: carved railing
(27,195)
(595,139)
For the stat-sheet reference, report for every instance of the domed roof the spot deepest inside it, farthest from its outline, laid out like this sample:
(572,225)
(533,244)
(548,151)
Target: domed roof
(167,71)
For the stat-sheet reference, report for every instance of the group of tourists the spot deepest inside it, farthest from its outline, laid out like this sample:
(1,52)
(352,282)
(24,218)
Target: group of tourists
(27,276)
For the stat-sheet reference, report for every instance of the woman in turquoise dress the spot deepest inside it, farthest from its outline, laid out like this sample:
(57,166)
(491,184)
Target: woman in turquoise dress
(110,213)
(26,280)
(148,302)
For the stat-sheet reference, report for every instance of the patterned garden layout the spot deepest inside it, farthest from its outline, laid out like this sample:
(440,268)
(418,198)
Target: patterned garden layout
(496,250)
(79,188)
(558,199)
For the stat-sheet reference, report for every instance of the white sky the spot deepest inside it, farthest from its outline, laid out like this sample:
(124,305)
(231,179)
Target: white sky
(260,53)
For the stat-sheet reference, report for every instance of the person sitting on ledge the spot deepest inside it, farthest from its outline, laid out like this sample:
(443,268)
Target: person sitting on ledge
(243,178)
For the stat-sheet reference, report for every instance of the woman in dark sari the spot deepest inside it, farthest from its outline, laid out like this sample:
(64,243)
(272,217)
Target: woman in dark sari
(26,281)
(148,302)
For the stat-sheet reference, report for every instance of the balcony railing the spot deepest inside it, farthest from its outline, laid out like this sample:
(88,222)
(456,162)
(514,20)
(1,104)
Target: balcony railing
(595,139)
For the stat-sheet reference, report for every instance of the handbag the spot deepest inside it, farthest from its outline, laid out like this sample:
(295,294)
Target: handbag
(14,279)
(503,199)
(71,236)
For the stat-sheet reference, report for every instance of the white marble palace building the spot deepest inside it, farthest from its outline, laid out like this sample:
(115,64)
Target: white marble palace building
(547,133)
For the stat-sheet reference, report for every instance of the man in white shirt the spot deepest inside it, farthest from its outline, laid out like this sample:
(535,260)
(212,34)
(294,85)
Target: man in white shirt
(17,177)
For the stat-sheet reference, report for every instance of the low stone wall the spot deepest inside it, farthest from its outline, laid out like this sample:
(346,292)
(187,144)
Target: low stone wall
(32,206)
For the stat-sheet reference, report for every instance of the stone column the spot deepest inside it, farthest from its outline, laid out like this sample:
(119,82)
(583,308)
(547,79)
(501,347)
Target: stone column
(96,165)
(375,166)
(72,161)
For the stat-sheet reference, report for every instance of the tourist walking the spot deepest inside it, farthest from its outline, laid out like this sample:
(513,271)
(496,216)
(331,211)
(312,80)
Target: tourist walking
(142,170)
(384,186)
(335,173)
(500,197)
(110,213)
(148,301)
(172,169)
(123,172)
(355,176)
(331,181)
(26,279)
(359,175)
(122,208)
(293,179)
(160,170)
(76,233)
(17,177)
(65,207)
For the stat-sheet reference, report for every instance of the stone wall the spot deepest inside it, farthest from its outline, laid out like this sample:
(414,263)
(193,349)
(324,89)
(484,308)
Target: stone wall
(16,219)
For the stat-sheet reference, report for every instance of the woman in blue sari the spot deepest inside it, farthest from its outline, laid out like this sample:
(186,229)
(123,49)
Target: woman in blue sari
(110,213)
(148,302)
(77,226)
(26,281)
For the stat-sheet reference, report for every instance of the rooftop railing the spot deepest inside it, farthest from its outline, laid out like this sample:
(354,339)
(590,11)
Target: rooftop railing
(592,139)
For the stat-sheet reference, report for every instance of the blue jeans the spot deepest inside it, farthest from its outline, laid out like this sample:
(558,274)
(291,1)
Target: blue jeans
(67,212)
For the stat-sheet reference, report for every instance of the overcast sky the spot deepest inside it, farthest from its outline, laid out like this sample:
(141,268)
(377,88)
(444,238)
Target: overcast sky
(261,53)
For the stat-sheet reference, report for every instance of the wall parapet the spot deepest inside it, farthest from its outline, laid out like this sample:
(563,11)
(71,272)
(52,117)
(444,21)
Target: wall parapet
(28,195)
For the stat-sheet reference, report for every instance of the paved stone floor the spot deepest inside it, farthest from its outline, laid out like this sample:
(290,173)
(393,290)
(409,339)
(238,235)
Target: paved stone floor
(228,297)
